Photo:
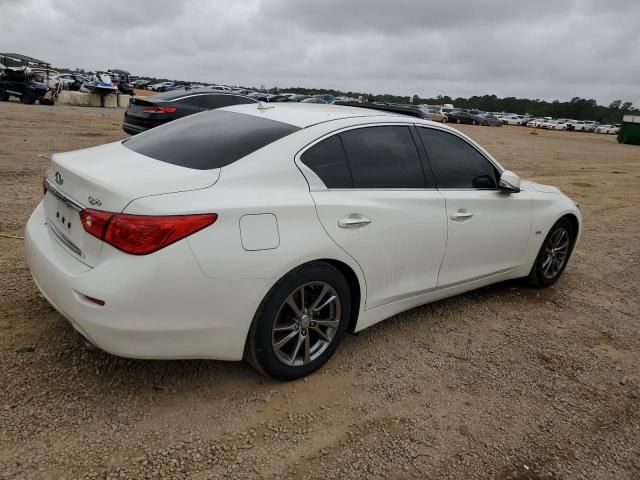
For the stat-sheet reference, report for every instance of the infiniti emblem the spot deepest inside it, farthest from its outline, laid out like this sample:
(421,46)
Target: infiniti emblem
(59,179)
(94,201)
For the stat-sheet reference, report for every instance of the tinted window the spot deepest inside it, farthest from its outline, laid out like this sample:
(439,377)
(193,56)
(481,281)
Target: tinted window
(242,100)
(455,163)
(328,161)
(194,101)
(217,101)
(208,140)
(383,157)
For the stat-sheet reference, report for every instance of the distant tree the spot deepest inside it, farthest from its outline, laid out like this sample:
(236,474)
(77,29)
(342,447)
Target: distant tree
(415,100)
(615,104)
(627,106)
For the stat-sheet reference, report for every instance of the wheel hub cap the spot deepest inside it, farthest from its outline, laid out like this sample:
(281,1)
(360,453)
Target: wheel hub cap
(306,323)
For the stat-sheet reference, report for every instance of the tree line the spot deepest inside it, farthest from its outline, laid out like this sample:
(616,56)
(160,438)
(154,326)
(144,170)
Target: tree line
(577,108)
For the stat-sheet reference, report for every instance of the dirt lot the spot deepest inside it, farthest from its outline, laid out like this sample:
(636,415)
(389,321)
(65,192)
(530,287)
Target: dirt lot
(505,382)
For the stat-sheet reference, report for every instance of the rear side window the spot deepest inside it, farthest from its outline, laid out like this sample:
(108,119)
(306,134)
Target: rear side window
(455,163)
(217,101)
(328,161)
(208,140)
(383,157)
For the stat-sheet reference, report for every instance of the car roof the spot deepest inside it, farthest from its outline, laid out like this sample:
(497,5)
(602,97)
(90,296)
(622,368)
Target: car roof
(304,115)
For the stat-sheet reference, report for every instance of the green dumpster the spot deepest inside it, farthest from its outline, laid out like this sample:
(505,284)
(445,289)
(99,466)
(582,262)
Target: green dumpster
(630,130)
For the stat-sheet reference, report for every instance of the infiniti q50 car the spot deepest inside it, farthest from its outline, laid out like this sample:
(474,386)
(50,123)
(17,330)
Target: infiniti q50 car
(266,232)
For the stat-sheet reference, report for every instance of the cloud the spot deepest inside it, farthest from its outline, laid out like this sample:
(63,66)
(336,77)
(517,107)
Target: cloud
(543,49)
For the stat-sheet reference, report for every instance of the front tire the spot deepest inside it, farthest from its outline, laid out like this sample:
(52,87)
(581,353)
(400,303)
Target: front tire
(4,96)
(300,323)
(553,255)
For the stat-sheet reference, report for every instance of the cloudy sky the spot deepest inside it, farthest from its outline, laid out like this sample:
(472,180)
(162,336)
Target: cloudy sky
(544,49)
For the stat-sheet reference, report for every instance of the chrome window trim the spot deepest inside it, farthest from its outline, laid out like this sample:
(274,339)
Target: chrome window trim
(64,197)
(315,182)
(317,185)
(468,141)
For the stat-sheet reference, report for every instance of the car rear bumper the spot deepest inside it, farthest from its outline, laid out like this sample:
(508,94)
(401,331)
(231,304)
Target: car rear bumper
(158,306)
(133,129)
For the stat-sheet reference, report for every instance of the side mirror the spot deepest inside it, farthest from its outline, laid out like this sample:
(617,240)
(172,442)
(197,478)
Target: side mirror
(509,181)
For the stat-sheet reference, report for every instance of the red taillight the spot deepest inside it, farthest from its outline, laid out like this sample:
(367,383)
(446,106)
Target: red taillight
(156,109)
(95,221)
(142,234)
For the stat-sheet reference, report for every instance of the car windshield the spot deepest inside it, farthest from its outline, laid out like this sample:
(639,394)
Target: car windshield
(208,140)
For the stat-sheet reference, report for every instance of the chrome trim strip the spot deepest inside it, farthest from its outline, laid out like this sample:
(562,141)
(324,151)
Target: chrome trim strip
(63,197)
(67,243)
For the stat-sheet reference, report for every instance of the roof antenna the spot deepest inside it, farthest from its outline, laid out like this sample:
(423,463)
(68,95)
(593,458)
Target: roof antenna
(264,106)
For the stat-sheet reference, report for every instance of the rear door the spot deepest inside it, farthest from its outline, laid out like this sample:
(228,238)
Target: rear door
(488,229)
(381,208)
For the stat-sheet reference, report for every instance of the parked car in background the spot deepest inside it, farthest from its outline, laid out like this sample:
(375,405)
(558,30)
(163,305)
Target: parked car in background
(578,125)
(548,124)
(313,100)
(20,83)
(590,126)
(279,98)
(512,120)
(161,87)
(298,98)
(571,124)
(327,97)
(144,113)
(489,119)
(608,129)
(535,123)
(435,114)
(460,116)
(190,254)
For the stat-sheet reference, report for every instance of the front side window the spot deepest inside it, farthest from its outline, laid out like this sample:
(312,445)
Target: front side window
(383,157)
(455,163)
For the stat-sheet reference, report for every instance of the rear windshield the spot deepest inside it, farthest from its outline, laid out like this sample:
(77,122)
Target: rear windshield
(208,140)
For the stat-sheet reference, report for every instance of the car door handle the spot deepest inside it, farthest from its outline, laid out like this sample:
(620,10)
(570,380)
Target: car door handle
(353,220)
(461,215)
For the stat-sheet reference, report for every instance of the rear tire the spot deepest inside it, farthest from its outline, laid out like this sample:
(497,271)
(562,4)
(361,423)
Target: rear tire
(4,96)
(553,256)
(289,338)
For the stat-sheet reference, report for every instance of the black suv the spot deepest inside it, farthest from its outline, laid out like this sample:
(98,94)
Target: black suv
(144,113)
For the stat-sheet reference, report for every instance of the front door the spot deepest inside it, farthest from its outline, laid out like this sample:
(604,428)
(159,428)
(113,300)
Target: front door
(488,228)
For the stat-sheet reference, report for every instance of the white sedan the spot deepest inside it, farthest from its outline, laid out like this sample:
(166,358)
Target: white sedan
(553,125)
(511,120)
(267,232)
(608,129)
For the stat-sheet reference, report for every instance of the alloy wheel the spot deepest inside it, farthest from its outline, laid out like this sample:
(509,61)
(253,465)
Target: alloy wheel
(556,252)
(306,323)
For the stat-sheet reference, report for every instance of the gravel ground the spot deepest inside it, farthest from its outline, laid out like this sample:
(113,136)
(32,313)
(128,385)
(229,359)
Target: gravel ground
(506,382)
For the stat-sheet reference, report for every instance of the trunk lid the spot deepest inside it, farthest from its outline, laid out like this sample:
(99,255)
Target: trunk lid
(107,178)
